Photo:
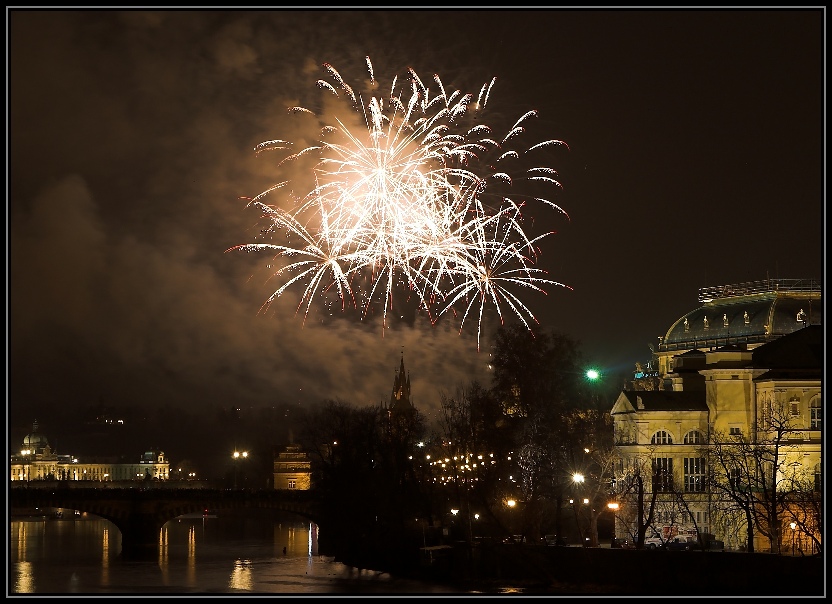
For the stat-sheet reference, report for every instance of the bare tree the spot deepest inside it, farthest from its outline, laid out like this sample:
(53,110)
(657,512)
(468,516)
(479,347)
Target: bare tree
(474,450)
(640,500)
(804,509)
(755,474)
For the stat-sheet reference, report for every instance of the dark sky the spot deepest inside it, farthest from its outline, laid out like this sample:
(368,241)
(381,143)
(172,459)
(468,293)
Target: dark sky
(696,159)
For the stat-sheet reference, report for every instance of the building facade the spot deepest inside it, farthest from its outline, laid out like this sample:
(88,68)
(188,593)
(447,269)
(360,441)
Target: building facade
(725,433)
(37,461)
(292,469)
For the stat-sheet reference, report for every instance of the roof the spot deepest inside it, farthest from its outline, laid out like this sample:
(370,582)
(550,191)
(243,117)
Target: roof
(661,400)
(745,315)
(801,349)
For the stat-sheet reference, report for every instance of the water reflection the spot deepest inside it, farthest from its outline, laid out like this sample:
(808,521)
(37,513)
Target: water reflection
(241,576)
(24,581)
(217,555)
(105,556)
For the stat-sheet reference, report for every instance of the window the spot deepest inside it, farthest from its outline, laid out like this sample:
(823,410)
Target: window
(735,431)
(694,474)
(694,437)
(735,478)
(661,438)
(814,414)
(662,474)
(794,406)
(818,479)
(291,484)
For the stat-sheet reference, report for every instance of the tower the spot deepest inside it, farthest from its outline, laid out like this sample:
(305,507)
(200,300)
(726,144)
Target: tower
(400,397)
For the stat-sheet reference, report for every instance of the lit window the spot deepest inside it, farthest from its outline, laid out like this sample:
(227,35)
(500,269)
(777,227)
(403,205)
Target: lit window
(694,437)
(661,438)
(794,407)
(734,478)
(663,474)
(815,417)
(291,483)
(694,474)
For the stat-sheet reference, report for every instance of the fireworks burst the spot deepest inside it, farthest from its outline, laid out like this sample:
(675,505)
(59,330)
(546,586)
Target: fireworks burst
(424,199)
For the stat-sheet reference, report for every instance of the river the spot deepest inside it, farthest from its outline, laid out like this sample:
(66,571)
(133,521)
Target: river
(196,555)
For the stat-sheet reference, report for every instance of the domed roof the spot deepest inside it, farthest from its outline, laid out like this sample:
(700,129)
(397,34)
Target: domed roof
(747,313)
(35,441)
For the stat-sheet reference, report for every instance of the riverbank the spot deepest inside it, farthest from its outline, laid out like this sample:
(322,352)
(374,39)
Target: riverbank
(538,569)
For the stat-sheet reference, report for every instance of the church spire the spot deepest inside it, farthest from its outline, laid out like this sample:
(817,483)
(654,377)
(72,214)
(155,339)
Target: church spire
(400,397)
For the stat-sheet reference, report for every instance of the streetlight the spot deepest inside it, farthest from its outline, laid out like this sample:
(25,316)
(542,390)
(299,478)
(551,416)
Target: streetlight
(27,467)
(613,508)
(793,526)
(578,479)
(511,503)
(237,456)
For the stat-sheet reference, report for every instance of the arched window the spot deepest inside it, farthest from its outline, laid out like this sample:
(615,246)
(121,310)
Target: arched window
(694,437)
(661,438)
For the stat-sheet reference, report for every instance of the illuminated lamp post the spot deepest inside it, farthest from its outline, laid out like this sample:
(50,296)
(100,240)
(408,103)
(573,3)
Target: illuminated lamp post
(27,461)
(237,456)
(511,503)
(612,506)
(793,526)
(577,479)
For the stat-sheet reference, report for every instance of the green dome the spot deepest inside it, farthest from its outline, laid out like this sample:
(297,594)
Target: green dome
(746,313)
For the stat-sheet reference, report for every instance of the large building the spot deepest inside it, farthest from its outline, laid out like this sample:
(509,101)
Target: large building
(37,461)
(730,406)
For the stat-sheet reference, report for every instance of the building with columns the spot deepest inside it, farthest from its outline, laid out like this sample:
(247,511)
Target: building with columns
(37,461)
(726,422)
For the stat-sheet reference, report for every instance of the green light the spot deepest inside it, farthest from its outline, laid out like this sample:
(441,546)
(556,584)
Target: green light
(592,374)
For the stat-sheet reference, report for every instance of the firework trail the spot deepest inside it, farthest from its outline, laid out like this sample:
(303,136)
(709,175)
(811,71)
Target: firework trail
(423,199)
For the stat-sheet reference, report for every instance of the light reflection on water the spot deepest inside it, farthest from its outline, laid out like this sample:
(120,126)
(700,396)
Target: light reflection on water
(195,555)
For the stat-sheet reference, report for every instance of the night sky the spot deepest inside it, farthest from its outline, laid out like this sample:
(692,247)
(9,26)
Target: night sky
(696,158)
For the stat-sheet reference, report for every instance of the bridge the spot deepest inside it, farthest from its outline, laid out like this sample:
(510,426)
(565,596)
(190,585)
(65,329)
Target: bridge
(140,512)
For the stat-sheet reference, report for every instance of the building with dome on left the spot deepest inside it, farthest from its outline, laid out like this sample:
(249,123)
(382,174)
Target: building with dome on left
(37,461)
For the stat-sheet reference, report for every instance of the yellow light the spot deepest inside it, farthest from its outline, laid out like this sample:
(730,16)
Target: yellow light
(511,503)
(612,505)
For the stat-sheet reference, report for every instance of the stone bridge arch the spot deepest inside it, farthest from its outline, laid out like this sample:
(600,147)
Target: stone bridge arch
(140,513)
